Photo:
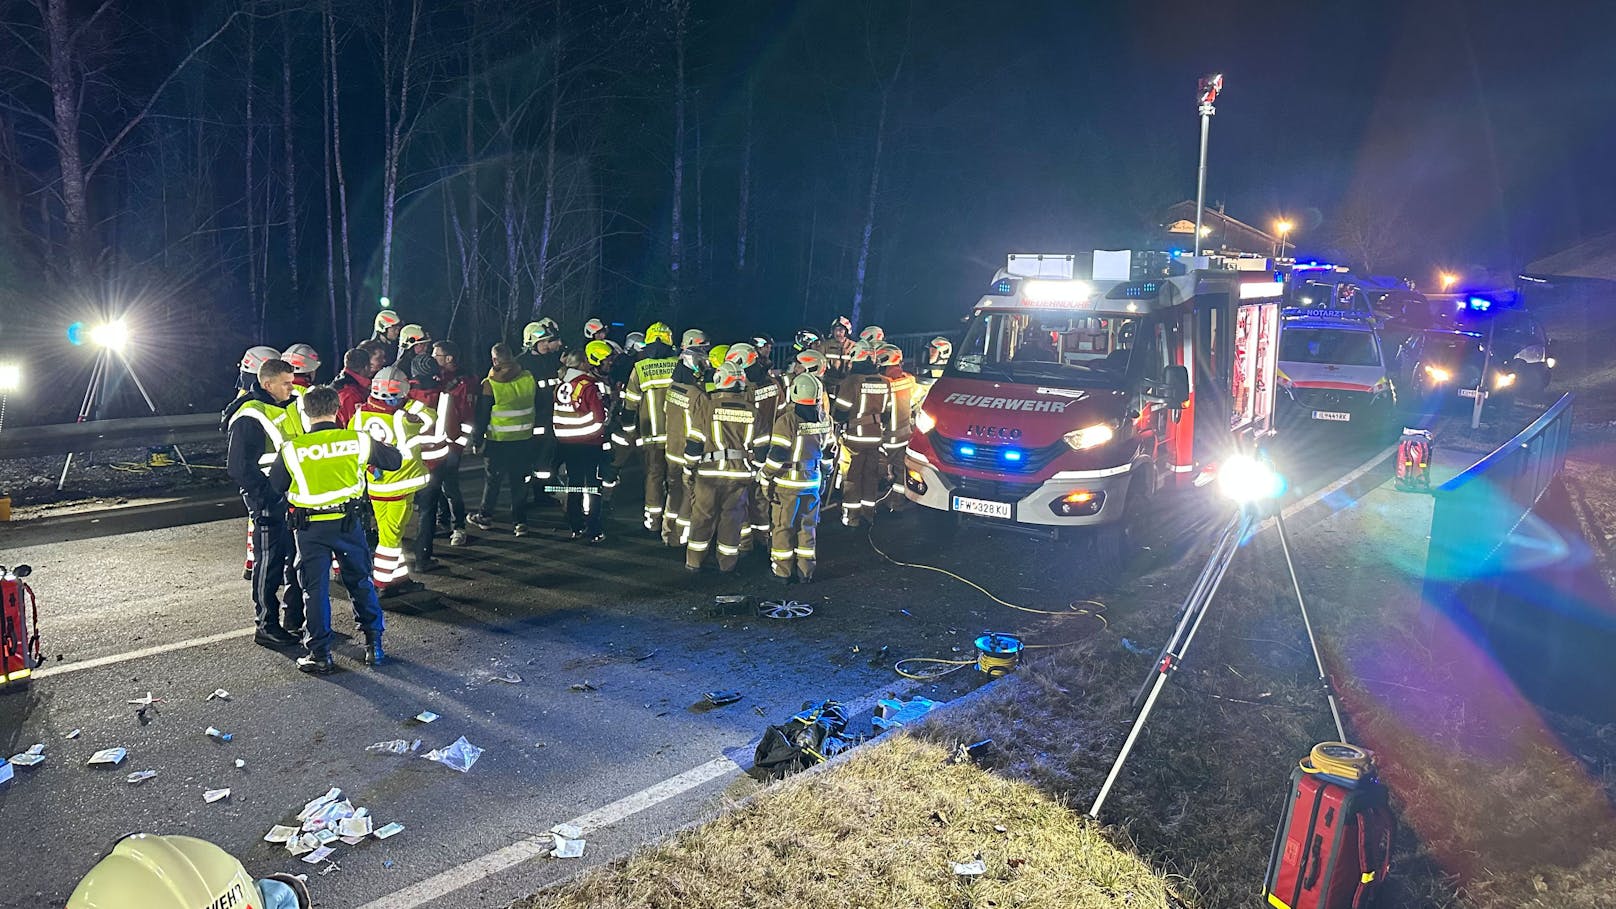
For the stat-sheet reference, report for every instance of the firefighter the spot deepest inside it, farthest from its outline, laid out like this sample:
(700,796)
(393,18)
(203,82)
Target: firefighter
(414,343)
(937,356)
(898,423)
(718,470)
(504,431)
(838,351)
(246,381)
(715,359)
(353,386)
(390,416)
(791,477)
(256,431)
(456,404)
(386,330)
(687,387)
(541,357)
(305,362)
(144,871)
(581,434)
(322,474)
(644,420)
(765,352)
(804,339)
(861,407)
(766,393)
(594,330)
(379,352)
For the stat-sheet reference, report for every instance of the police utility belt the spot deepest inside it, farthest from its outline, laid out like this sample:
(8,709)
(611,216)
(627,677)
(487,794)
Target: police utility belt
(350,511)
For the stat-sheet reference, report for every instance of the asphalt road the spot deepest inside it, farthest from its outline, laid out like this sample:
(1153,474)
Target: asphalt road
(624,618)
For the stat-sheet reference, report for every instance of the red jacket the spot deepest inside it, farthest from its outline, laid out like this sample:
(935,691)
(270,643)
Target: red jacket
(455,401)
(580,409)
(352,391)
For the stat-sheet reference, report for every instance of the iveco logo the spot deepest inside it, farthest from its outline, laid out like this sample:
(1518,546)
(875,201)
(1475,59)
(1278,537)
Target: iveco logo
(993,432)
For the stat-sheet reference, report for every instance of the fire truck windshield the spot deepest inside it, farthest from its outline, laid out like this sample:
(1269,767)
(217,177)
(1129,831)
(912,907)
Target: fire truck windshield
(1083,348)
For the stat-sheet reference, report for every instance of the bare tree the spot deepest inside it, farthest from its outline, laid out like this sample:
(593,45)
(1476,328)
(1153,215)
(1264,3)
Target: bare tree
(681,12)
(397,121)
(744,205)
(335,100)
(886,84)
(290,156)
(547,224)
(342,337)
(1370,228)
(248,155)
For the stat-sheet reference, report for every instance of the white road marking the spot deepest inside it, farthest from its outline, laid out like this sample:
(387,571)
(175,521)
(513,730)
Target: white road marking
(422,893)
(1347,480)
(144,652)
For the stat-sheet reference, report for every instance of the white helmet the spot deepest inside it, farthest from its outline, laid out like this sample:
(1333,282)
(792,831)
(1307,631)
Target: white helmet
(635,341)
(256,357)
(412,334)
(742,354)
(593,327)
(730,376)
(305,361)
(386,319)
(390,386)
(807,389)
(874,334)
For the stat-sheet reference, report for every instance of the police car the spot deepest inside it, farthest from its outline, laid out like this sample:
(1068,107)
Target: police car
(1332,370)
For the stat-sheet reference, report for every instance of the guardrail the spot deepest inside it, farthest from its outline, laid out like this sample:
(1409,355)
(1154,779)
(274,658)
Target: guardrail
(61,439)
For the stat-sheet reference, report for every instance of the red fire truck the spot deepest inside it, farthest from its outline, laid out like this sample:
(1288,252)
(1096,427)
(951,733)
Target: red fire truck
(1076,397)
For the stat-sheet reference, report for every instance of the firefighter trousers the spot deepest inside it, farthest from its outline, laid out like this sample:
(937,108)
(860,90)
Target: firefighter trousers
(862,487)
(676,512)
(582,463)
(757,529)
(892,474)
(718,514)
(795,524)
(275,569)
(656,485)
(387,566)
(318,546)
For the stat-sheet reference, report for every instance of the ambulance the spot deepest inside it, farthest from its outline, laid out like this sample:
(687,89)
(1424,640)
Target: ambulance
(1083,388)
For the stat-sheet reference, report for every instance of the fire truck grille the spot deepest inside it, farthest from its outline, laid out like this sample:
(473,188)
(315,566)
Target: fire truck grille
(992,490)
(1011,459)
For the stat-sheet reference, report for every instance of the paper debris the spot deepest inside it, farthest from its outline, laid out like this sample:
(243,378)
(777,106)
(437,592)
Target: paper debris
(215,795)
(352,840)
(74,734)
(458,756)
(139,776)
(425,716)
(36,749)
(319,855)
(303,844)
(568,831)
(309,808)
(280,834)
(359,825)
(415,746)
(219,693)
(325,837)
(566,848)
(27,759)
(389,830)
(972,868)
(146,701)
(509,678)
(6,772)
(112,756)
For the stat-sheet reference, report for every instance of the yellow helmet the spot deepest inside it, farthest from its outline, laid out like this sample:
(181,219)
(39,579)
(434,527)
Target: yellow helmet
(598,352)
(159,872)
(412,334)
(659,331)
(717,354)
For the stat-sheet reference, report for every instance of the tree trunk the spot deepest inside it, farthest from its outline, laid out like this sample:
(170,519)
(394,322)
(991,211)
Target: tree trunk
(808,275)
(288,149)
(336,160)
(701,233)
(253,299)
(64,85)
(472,230)
(676,239)
(512,242)
(395,136)
(746,188)
(339,338)
(869,212)
(547,225)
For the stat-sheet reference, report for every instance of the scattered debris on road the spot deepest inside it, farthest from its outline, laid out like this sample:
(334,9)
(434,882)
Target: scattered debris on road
(34,755)
(973,868)
(721,698)
(318,855)
(389,830)
(113,756)
(396,746)
(892,713)
(425,716)
(240,763)
(139,776)
(74,734)
(509,678)
(218,734)
(280,833)
(219,693)
(585,685)
(569,841)
(458,756)
(215,795)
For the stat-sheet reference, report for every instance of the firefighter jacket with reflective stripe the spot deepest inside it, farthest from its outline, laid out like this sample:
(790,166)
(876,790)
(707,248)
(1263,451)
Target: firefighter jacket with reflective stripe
(512,416)
(838,358)
(863,405)
(796,447)
(766,396)
(683,393)
(900,413)
(327,470)
(645,418)
(412,430)
(718,441)
(580,409)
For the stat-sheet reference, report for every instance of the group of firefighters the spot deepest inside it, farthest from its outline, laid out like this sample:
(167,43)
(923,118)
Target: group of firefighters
(737,455)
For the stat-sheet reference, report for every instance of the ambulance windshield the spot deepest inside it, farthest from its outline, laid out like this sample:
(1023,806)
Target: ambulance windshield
(1084,348)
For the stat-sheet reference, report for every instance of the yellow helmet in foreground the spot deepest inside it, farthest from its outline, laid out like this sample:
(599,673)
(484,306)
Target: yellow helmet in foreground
(144,871)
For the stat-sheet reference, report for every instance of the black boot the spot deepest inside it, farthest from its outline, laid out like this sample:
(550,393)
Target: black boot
(373,650)
(274,636)
(317,664)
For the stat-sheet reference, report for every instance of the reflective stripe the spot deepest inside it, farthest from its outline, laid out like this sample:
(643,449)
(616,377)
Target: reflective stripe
(517,412)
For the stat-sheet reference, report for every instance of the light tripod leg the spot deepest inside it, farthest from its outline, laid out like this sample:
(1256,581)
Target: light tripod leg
(1312,640)
(1127,746)
(153,408)
(98,374)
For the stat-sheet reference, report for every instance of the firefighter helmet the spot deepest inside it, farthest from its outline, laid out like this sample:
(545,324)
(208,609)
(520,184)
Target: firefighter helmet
(694,359)
(807,389)
(742,353)
(889,355)
(256,357)
(179,872)
(598,352)
(412,334)
(386,319)
(864,351)
(811,361)
(806,338)
(659,331)
(762,341)
(939,351)
(874,334)
(730,376)
(844,322)
(594,327)
(694,337)
(305,361)
(635,342)
(717,354)
(534,332)
(390,385)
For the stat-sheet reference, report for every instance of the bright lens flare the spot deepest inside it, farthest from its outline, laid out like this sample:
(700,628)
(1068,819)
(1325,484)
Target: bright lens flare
(1051,290)
(1438,374)
(1243,479)
(10,376)
(113,335)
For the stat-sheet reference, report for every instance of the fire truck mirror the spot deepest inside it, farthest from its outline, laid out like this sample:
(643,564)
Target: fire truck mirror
(1177,386)
(22,571)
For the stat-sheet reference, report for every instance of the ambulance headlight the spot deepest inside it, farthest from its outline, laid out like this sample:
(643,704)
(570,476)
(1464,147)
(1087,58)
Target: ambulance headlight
(1090,436)
(925,422)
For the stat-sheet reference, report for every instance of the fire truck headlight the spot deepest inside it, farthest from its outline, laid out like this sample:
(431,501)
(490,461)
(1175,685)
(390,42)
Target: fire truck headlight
(1438,374)
(1090,436)
(1247,479)
(925,422)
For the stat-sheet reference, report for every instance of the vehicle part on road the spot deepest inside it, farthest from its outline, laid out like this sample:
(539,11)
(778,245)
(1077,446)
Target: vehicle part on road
(215,795)
(139,776)
(113,756)
(784,609)
(458,756)
(1333,846)
(730,605)
(721,698)
(219,693)
(20,650)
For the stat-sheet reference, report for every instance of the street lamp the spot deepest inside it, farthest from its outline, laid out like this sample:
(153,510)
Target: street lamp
(1283,227)
(1209,86)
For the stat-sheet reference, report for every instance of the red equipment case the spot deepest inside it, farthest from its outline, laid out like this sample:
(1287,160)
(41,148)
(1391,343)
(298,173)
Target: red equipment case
(1334,843)
(1414,460)
(19,646)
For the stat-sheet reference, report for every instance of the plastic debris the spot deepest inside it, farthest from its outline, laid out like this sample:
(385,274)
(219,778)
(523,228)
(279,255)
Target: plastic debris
(352,840)
(509,678)
(319,855)
(568,831)
(358,826)
(310,808)
(146,701)
(396,746)
(1131,647)
(240,763)
(330,867)
(112,756)
(280,833)
(458,756)
(6,773)
(215,795)
(585,685)
(302,844)
(325,837)
(392,829)
(425,716)
(972,752)
(219,693)
(890,713)
(74,734)
(27,760)
(415,746)
(569,841)
(973,868)
(139,776)
(219,734)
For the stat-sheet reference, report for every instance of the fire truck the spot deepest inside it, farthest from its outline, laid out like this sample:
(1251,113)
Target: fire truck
(1081,390)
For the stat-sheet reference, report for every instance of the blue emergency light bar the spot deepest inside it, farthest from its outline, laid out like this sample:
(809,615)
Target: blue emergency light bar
(1012,455)
(1478,304)
(967,451)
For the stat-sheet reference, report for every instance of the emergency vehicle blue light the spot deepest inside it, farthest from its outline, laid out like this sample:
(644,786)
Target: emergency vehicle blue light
(1140,291)
(1002,287)
(1012,455)
(1479,304)
(75,334)
(967,451)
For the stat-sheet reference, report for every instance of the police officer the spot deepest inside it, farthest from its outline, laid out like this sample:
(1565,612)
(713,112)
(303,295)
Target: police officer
(718,469)
(581,434)
(791,477)
(256,431)
(245,382)
(644,420)
(687,387)
(322,474)
(862,408)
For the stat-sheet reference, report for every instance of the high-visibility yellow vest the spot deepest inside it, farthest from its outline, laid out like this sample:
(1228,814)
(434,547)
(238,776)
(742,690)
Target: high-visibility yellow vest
(646,396)
(328,470)
(274,420)
(512,417)
(410,429)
